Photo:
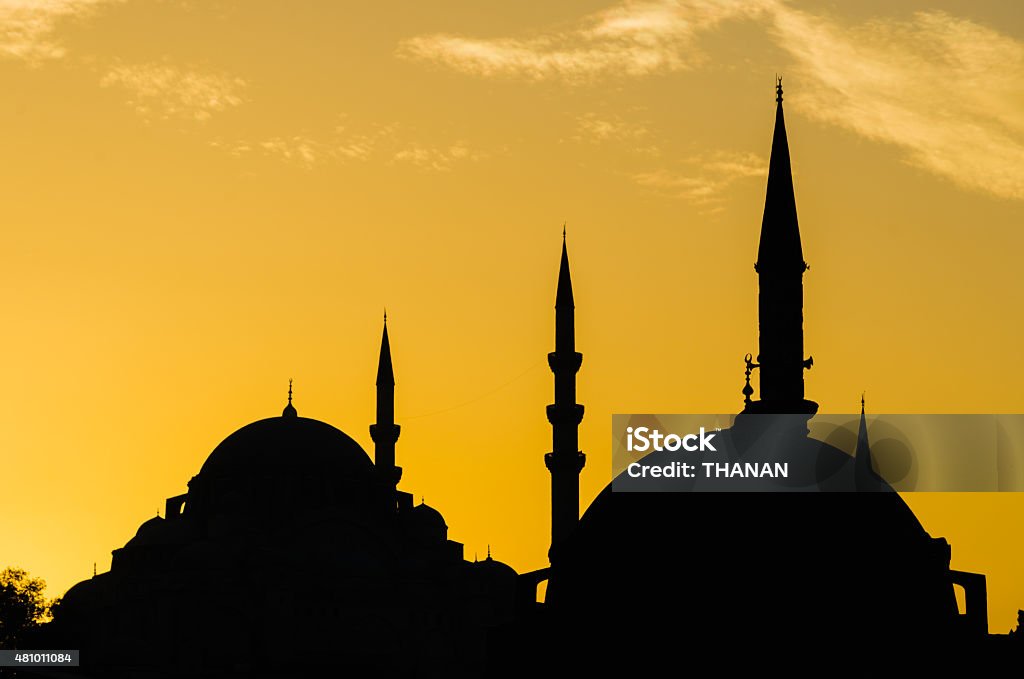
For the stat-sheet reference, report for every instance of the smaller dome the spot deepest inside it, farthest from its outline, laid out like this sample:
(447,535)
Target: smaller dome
(426,515)
(83,595)
(425,524)
(493,569)
(149,532)
(150,526)
(158,531)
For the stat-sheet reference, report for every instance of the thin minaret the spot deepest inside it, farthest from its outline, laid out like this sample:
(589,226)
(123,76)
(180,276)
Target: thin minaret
(780,269)
(385,432)
(565,461)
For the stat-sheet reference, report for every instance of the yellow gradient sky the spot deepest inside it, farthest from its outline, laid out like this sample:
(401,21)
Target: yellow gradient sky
(199,200)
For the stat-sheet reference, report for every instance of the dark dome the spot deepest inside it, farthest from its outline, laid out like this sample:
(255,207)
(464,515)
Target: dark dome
(149,527)
(287,445)
(425,515)
(490,568)
(799,572)
(426,524)
(159,531)
(150,532)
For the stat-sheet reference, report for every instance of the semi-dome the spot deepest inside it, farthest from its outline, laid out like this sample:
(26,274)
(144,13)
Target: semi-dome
(287,444)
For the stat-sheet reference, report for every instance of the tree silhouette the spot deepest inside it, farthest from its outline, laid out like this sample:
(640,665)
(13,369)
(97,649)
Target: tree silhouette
(22,605)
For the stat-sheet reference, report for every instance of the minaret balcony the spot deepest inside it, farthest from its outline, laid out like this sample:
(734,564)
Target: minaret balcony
(385,433)
(562,361)
(565,414)
(565,462)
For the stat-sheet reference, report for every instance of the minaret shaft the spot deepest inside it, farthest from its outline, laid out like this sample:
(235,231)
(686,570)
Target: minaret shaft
(781,337)
(565,461)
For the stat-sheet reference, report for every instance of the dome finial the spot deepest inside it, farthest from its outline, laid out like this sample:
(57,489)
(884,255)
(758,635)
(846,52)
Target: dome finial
(289,410)
(563,232)
(862,403)
(488,552)
(778,89)
(385,315)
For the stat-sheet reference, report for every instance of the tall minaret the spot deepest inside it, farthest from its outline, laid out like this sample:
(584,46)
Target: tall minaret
(780,269)
(565,461)
(385,432)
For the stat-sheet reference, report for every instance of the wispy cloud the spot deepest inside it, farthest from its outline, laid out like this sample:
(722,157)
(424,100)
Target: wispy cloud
(364,142)
(297,149)
(948,91)
(383,142)
(705,178)
(27,27)
(633,38)
(29,32)
(357,147)
(300,149)
(437,158)
(592,128)
(165,91)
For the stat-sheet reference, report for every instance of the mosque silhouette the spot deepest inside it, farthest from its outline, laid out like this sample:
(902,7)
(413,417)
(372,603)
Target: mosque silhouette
(294,554)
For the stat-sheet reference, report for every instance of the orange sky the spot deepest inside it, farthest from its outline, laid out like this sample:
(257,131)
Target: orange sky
(201,200)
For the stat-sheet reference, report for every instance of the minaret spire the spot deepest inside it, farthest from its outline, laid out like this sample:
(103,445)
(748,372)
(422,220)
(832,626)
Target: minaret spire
(780,268)
(565,461)
(865,476)
(385,432)
(565,317)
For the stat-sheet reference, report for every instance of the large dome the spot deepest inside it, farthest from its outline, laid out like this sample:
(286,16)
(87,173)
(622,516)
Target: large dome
(285,445)
(282,469)
(797,575)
